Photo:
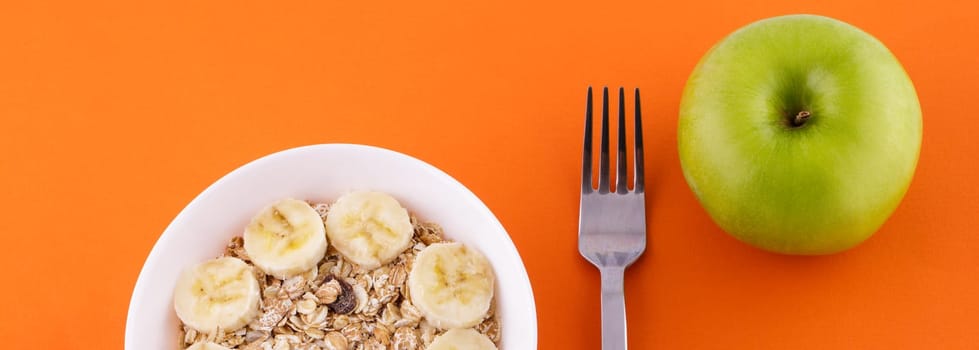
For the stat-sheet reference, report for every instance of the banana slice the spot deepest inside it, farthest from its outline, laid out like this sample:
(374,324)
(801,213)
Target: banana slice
(286,238)
(369,228)
(451,284)
(217,294)
(462,339)
(206,346)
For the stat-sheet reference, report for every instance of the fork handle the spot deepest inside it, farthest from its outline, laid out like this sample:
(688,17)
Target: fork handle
(613,309)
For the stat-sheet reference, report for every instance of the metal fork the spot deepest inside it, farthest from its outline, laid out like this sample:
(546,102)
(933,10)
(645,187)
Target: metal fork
(612,224)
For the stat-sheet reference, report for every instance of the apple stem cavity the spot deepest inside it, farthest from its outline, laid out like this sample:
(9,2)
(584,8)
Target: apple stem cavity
(801,118)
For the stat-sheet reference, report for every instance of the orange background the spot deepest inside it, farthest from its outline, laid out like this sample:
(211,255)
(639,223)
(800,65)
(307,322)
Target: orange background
(115,114)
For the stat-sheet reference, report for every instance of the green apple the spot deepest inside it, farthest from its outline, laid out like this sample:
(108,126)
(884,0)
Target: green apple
(799,134)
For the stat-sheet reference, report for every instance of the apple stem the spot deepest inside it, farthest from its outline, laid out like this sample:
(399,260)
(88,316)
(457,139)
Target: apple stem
(801,118)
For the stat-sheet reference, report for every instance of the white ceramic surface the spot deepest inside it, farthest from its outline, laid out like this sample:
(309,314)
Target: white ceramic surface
(322,173)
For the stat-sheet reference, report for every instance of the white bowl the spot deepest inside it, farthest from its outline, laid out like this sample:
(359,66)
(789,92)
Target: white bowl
(322,173)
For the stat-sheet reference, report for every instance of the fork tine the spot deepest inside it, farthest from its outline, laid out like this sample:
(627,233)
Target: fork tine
(620,173)
(603,166)
(639,186)
(586,186)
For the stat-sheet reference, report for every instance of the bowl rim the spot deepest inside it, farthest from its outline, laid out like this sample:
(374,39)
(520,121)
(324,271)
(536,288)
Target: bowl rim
(154,257)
